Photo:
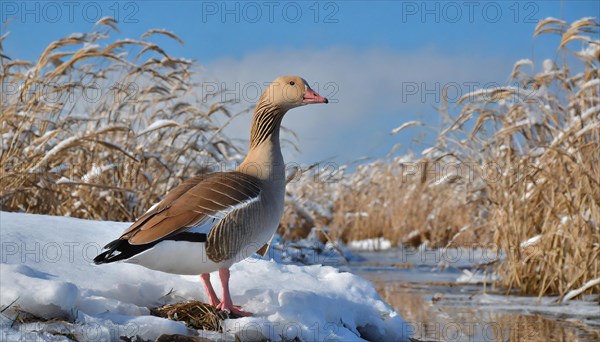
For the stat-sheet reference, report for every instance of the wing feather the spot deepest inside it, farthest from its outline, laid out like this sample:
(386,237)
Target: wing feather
(193,202)
(165,203)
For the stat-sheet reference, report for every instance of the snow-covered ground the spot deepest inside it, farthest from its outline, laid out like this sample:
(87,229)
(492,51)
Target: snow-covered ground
(47,270)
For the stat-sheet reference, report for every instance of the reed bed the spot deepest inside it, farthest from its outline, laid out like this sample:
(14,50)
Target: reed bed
(100,129)
(544,137)
(406,200)
(540,138)
(517,169)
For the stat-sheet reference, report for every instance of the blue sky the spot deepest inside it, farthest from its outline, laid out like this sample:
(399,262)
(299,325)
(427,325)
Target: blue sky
(371,54)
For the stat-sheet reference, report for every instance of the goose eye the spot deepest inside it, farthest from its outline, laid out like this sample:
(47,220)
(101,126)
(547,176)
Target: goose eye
(292,83)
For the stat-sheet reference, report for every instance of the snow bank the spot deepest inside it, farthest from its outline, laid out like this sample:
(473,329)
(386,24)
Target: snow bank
(46,269)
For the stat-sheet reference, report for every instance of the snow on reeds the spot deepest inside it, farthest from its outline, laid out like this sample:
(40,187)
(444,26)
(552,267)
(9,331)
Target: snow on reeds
(548,181)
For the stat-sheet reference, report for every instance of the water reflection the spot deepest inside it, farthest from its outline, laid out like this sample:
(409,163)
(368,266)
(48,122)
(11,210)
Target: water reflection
(441,310)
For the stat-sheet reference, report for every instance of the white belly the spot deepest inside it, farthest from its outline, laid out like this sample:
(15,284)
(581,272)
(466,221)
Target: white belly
(178,257)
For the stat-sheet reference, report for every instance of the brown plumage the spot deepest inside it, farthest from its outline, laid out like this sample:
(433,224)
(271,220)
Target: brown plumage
(190,203)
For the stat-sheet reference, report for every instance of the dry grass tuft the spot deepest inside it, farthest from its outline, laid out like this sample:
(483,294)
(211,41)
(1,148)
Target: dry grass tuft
(195,314)
(56,326)
(100,129)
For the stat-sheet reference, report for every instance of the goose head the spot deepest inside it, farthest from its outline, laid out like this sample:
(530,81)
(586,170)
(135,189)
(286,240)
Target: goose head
(287,92)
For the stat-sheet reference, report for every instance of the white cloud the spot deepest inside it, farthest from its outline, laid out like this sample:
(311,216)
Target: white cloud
(374,90)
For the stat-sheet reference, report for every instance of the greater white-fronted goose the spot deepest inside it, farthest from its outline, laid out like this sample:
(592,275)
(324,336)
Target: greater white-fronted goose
(210,222)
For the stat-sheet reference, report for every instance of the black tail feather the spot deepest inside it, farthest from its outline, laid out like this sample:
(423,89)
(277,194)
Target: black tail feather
(121,249)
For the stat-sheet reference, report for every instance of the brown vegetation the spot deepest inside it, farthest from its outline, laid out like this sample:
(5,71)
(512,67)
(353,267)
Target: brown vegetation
(195,314)
(517,170)
(100,130)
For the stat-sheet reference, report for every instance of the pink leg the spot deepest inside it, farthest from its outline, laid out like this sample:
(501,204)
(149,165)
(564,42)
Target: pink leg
(227,304)
(212,296)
